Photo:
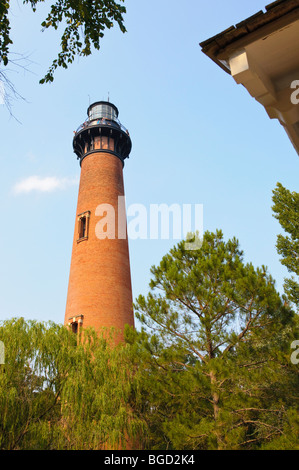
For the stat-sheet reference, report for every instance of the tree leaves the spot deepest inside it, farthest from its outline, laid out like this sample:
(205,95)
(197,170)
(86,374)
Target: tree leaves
(57,394)
(215,340)
(286,211)
(5,40)
(207,296)
(84,21)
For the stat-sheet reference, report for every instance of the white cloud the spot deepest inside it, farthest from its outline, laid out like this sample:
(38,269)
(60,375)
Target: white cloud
(43,184)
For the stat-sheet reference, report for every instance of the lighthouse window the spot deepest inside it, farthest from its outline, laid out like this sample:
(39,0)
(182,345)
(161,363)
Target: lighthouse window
(83,225)
(102,111)
(111,144)
(97,142)
(104,143)
(76,324)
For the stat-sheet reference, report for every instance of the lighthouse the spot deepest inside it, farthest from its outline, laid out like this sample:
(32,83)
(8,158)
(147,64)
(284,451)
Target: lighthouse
(99,291)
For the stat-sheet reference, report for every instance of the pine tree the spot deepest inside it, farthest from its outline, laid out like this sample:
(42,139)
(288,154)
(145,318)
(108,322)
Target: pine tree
(215,345)
(286,211)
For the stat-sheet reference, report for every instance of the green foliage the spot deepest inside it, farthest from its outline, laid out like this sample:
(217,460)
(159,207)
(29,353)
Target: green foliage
(57,394)
(286,211)
(84,21)
(5,40)
(210,368)
(216,349)
(31,381)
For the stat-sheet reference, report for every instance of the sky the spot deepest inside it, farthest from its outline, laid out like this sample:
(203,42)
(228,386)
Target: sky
(198,138)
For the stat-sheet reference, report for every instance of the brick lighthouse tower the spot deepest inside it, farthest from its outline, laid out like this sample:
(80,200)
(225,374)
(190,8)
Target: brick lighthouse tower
(99,291)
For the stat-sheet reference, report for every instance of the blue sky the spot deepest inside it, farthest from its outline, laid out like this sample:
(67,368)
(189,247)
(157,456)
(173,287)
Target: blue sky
(198,138)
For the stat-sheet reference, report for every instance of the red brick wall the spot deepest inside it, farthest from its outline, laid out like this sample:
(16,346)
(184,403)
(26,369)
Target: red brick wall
(100,279)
